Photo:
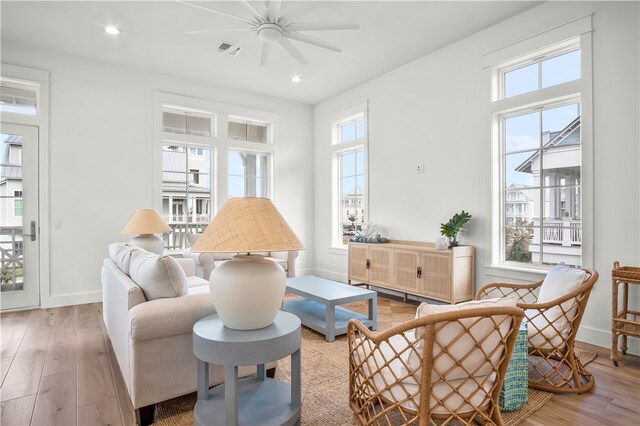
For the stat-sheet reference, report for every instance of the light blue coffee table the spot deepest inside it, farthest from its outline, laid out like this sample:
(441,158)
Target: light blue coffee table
(318,308)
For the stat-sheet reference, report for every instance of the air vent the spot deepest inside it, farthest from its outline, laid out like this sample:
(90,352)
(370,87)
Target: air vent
(224,46)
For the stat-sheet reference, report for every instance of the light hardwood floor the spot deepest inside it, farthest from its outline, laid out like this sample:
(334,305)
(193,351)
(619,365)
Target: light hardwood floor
(57,367)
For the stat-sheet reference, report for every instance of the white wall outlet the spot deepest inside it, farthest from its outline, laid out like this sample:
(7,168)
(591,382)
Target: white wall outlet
(420,168)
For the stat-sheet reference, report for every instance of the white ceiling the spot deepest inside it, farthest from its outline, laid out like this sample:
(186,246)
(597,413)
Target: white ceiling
(392,33)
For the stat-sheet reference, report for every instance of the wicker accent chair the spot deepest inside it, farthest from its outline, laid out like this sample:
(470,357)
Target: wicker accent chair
(553,325)
(438,368)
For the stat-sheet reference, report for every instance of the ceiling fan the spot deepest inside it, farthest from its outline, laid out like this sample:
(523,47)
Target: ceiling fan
(271,27)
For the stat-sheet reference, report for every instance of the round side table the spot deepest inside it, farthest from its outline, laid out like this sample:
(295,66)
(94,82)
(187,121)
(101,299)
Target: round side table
(254,400)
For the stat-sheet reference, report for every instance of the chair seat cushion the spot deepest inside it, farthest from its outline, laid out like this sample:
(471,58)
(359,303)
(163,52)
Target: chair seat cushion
(460,343)
(393,383)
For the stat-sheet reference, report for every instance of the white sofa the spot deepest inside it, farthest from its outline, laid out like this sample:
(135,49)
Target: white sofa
(150,321)
(206,262)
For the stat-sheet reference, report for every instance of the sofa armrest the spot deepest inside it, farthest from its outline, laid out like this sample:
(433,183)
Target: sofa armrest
(290,257)
(169,317)
(205,260)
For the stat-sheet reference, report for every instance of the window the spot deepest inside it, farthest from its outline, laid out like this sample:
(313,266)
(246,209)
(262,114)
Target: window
(540,172)
(184,122)
(186,186)
(249,131)
(350,175)
(18,98)
(17,208)
(248,174)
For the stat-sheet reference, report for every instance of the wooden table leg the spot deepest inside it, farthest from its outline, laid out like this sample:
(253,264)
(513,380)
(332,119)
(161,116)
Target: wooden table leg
(614,315)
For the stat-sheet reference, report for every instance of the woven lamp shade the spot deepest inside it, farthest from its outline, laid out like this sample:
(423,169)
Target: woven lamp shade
(247,225)
(145,221)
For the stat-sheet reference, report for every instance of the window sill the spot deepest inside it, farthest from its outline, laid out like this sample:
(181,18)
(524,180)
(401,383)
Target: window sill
(344,251)
(514,272)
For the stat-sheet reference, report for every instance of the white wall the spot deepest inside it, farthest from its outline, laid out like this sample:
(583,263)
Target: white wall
(435,111)
(101,161)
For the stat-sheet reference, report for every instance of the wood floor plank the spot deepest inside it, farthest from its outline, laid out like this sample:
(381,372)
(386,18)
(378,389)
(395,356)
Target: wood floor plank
(104,412)
(10,319)
(62,351)
(24,374)
(89,315)
(12,336)
(5,363)
(18,411)
(64,316)
(56,400)
(94,373)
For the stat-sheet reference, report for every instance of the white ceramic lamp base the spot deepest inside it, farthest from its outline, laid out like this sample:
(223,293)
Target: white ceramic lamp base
(247,291)
(148,242)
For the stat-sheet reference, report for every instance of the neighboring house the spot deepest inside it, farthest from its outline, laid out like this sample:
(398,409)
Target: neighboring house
(561,234)
(519,204)
(352,205)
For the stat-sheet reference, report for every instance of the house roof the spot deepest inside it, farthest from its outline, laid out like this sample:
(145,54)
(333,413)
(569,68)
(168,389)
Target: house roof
(570,135)
(8,170)
(181,188)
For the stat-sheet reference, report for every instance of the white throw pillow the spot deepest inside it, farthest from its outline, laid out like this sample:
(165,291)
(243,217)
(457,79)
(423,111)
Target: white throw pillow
(463,345)
(121,254)
(158,276)
(560,281)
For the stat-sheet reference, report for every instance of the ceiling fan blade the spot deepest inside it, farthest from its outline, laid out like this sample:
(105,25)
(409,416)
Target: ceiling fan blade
(299,12)
(237,45)
(322,26)
(312,40)
(216,11)
(273,10)
(289,47)
(253,10)
(218,30)
(266,48)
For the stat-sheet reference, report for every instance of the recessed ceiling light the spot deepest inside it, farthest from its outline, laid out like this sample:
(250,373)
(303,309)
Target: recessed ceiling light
(296,79)
(112,30)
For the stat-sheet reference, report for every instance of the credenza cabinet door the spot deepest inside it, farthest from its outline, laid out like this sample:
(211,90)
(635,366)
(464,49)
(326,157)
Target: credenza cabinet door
(379,265)
(405,270)
(358,255)
(436,275)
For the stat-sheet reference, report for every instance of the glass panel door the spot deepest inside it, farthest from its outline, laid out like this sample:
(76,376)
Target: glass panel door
(19,237)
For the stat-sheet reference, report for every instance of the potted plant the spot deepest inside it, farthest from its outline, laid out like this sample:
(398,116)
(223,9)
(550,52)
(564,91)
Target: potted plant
(455,224)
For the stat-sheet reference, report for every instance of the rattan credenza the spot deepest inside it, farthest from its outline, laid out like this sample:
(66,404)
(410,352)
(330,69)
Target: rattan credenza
(624,322)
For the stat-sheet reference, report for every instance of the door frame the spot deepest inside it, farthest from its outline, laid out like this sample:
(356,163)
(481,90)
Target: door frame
(39,80)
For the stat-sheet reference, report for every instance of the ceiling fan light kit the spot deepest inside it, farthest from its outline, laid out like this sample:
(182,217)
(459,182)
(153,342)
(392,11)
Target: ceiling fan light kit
(271,27)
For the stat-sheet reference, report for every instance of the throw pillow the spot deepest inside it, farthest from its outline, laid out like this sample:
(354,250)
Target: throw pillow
(549,328)
(121,254)
(469,362)
(158,276)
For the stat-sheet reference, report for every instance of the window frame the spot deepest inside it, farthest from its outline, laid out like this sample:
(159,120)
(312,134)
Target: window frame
(579,90)
(339,148)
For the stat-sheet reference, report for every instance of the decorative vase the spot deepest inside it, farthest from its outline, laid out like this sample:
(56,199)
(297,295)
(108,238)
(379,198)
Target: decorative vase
(442,243)
(247,291)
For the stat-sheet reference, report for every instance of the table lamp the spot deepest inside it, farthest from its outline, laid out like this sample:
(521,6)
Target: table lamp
(248,289)
(146,222)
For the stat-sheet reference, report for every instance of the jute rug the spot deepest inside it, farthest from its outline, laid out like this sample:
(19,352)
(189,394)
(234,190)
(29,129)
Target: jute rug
(325,384)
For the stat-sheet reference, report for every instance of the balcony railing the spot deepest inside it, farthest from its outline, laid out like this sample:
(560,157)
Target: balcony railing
(177,239)
(565,232)
(11,259)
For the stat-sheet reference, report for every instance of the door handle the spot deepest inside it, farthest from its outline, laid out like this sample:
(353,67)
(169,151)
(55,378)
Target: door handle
(368,264)
(32,235)
(418,272)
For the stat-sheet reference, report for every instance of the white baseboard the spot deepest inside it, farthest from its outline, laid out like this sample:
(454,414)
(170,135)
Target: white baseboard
(330,275)
(72,299)
(603,338)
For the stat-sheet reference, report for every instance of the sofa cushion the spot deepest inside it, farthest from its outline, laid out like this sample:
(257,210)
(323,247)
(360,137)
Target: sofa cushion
(158,276)
(121,254)
(482,330)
